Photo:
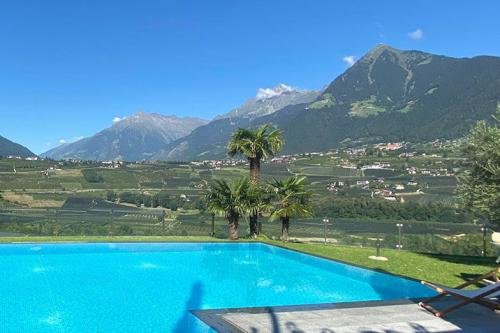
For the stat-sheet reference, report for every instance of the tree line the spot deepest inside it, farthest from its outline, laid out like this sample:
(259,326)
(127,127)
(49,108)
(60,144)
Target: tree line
(376,208)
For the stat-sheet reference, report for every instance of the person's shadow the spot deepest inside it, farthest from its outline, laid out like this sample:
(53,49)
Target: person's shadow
(194,303)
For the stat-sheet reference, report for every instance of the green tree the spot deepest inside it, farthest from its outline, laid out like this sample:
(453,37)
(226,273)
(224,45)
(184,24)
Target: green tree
(479,185)
(229,200)
(291,200)
(92,176)
(111,196)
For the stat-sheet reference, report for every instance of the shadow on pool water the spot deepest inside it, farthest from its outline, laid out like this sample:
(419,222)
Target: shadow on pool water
(187,322)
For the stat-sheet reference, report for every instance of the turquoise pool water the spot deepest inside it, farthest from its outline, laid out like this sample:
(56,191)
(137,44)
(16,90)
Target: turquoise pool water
(148,287)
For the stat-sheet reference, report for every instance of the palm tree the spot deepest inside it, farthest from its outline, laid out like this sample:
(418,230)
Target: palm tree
(255,145)
(229,200)
(291,200)
(258,200)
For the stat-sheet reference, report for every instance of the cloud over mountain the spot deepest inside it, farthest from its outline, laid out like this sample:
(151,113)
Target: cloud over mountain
(264,93)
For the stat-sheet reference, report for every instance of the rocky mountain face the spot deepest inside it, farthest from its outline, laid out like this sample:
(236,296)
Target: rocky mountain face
(138,137)
(8,148)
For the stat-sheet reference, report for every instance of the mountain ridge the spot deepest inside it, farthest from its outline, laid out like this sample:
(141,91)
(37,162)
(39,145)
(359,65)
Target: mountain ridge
(388,94)
(270,100)
(10,148)
(133,138)
(441,97)
(210,140)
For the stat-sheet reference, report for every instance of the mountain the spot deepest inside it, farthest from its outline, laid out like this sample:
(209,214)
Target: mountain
(393,95)
(270,100)
(134,138)
(388,95)
(8,147)
(210,140)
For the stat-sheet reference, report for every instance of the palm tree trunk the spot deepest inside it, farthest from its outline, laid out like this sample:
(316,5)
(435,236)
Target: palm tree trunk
(254,230)
(254,169)
(233,227)
(285,225)
(255,178)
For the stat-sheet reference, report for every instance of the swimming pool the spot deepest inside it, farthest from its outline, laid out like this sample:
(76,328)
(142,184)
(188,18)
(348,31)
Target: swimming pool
(148,287)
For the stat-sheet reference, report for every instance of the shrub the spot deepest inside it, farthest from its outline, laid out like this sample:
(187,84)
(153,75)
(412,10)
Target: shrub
(92,176)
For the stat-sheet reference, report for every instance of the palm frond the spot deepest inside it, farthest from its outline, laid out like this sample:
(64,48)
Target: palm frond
(257,143)
(227,198)
(290,196)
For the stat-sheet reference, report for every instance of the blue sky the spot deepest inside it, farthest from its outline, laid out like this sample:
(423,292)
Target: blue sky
(67,68)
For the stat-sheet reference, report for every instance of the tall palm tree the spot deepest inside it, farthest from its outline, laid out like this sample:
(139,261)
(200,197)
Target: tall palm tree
(291,201)
(229,200)
(258,144)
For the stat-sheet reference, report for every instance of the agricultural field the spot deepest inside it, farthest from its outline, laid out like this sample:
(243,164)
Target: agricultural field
(45,183)
(87,198)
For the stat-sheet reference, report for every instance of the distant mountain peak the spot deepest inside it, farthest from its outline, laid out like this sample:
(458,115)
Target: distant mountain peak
(152,118)
(131,138)
(263,93)
(270,100)
(400,56)
(381,47)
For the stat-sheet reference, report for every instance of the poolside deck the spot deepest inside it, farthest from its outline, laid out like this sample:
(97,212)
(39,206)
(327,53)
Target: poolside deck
(358,317)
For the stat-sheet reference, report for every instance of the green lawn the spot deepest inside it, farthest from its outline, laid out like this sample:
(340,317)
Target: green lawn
(448,270)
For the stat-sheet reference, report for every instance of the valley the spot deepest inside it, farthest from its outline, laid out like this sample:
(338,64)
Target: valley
(364,189)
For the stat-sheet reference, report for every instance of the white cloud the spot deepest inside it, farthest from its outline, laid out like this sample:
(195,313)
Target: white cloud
(417,34)
(117,119)
(64,141)
(349,60)
(263,93)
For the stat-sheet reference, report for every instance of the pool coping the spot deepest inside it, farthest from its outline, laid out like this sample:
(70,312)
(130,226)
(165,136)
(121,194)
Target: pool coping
(214,317)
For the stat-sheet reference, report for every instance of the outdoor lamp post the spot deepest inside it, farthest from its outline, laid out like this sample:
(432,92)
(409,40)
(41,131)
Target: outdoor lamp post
(400,227)
(326,220)
(213,224)
(483,230)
